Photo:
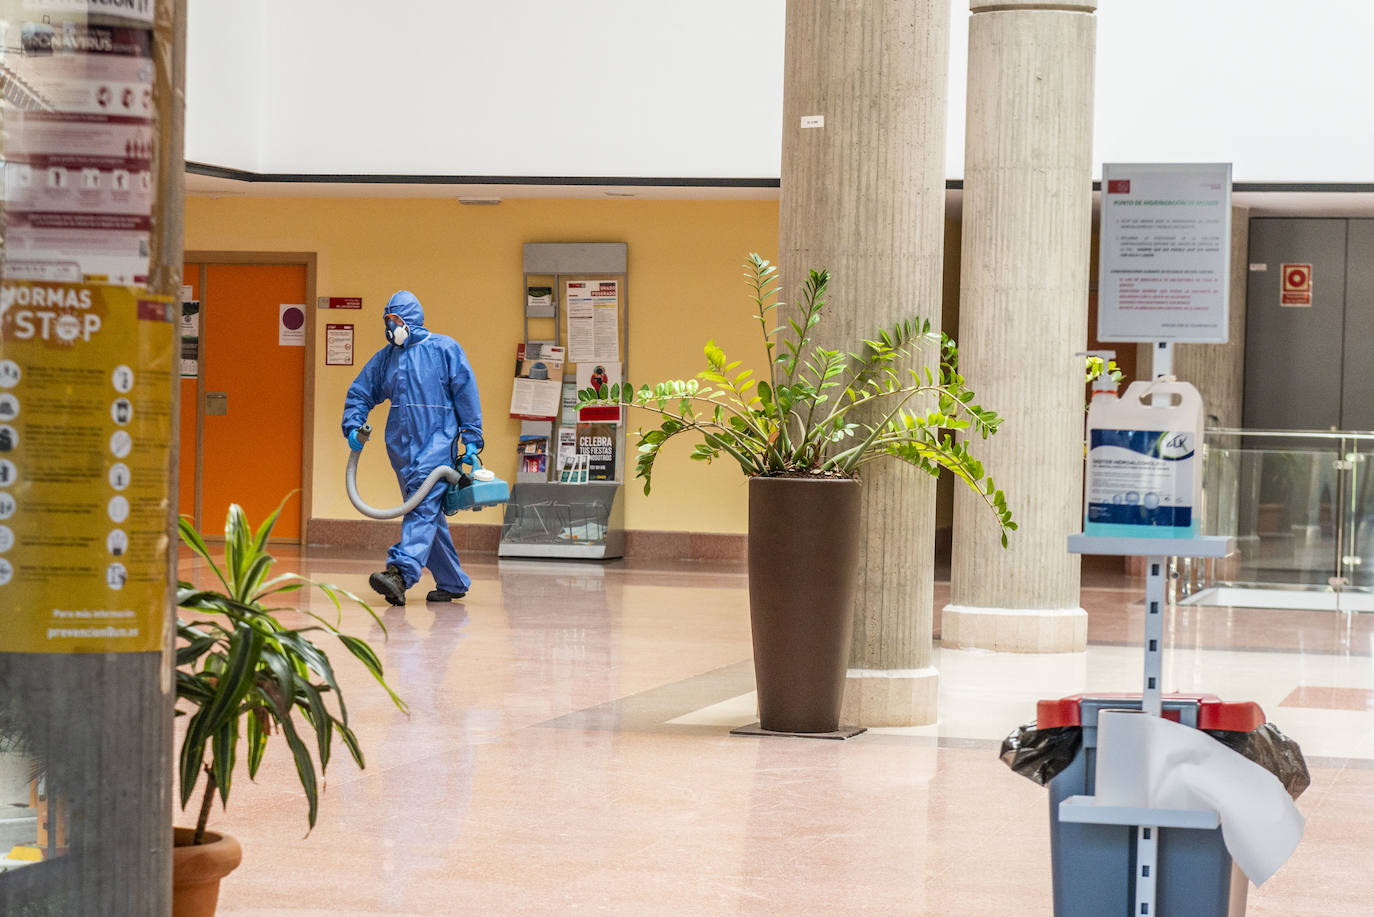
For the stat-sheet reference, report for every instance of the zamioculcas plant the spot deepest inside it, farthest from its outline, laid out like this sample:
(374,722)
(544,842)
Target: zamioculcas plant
(818,411)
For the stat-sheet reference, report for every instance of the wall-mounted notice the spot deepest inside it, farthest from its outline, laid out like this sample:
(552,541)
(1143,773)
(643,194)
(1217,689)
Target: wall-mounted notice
(593,320)
(190,337)
(567,446)
(1165,258)
(86,378)
(291,325)
(338,345)
(338,302)
(539,302)
(538,388)
(569,413)
(78,137)
(599,374)
(598,441)
(1296,292)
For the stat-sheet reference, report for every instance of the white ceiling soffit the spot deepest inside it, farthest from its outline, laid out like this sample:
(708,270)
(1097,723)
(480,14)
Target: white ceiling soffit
(1350,200)
(230,184)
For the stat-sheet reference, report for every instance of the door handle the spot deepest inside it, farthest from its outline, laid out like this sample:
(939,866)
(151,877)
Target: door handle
(216,404)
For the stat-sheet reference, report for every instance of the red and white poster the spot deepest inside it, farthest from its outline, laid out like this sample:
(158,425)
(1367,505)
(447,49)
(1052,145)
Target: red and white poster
(1297,286)
(338,345)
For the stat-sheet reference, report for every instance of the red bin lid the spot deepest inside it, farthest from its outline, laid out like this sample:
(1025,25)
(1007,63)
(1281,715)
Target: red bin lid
(1213,712)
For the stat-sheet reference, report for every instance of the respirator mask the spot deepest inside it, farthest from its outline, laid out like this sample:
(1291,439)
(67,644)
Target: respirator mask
(396,330)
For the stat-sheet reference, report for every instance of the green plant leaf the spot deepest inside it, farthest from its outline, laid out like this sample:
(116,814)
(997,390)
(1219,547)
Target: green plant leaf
(351,743)
(191,759)
(196,543)
(233,684)
(257,738)
(235,660)
(368,657)
(193,650)
(265,530)
(280,702)
(224,746)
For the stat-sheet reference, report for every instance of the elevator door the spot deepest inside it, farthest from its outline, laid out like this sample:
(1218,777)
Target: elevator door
(1294,354)
(1357,385)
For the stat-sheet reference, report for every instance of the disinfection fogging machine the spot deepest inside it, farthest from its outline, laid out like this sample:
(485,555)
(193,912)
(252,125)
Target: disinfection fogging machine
(463,489)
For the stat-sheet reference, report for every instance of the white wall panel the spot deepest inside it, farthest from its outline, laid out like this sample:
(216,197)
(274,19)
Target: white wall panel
(224,72)
(647,88)
(524,87)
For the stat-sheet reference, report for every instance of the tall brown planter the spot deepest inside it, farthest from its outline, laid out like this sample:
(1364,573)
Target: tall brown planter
(196,871)
(803,549)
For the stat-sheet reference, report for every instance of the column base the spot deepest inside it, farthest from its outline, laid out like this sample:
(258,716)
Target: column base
(891,697)
(1014,630)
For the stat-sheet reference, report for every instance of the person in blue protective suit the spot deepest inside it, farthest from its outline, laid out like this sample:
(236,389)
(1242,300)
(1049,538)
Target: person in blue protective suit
(434,404)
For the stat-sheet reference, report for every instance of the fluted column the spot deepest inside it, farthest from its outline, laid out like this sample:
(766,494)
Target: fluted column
(1023,315)
(863,195)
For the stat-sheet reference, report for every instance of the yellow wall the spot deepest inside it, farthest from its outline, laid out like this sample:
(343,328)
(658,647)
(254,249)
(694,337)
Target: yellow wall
(464,264)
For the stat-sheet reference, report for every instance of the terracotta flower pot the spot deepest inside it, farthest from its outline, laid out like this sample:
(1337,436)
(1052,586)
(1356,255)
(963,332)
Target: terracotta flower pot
(803,550)
(197,870)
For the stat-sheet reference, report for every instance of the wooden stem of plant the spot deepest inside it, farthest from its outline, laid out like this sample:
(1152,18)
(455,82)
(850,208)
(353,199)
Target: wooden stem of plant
(205,805)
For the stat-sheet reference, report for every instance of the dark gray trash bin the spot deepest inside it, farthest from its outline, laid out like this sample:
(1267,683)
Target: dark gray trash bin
(1093,866)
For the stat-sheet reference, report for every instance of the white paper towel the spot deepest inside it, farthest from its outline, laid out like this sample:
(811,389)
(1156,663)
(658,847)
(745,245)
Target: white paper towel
(1155,763)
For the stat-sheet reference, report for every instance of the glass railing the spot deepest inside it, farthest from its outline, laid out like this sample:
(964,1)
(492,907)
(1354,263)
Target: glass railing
(1300,505)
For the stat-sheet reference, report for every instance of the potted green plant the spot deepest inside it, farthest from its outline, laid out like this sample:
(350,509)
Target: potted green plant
(242,675)
(803,431)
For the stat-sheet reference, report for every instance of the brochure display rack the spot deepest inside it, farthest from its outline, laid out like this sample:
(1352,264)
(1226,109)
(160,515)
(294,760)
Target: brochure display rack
(567,500)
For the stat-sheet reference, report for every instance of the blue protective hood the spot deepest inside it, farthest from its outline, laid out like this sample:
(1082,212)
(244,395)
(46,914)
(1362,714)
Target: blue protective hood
(404,304)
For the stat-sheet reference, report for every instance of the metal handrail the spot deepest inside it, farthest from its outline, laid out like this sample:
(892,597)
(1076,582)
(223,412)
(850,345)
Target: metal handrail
(1292,434)
(1347,448)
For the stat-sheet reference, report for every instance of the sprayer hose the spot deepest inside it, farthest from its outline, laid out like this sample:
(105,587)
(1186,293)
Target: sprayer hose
(444,473)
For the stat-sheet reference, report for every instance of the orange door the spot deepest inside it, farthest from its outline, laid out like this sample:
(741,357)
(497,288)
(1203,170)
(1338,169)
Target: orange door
(251,393)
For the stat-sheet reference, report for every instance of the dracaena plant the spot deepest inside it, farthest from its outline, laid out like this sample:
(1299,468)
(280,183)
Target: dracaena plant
(818,411)
(242,675)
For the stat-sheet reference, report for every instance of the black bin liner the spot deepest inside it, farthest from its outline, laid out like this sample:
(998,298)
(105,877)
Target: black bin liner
(1042,754)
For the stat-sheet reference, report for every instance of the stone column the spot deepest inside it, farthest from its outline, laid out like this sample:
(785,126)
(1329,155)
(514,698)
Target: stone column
(863,195)
(1023,316)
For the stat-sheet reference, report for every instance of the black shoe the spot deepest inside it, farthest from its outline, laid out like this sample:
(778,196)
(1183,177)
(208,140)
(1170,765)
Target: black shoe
(443,595)
(389,584)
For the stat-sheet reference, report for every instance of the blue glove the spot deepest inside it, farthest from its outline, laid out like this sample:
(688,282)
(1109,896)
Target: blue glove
(353,442)
(470,456)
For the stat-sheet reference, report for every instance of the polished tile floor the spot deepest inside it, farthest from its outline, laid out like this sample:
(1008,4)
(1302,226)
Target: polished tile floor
(567,752)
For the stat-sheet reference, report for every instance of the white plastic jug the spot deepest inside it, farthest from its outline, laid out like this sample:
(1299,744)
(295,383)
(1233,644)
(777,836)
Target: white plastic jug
(1144,472)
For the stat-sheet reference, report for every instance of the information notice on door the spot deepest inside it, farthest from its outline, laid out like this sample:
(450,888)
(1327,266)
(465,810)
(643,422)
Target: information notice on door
(1165,260)
(86,374)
